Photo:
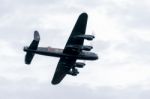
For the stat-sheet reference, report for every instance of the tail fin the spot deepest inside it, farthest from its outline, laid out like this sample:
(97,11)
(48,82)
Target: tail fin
(33,46)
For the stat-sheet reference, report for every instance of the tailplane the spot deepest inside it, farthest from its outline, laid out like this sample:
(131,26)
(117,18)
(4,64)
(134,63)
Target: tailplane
(33,46)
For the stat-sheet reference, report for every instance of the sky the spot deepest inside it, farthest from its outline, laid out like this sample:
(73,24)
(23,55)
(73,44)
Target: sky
(122,32)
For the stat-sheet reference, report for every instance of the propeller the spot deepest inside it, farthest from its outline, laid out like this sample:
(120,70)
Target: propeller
(84,61)
(93,33)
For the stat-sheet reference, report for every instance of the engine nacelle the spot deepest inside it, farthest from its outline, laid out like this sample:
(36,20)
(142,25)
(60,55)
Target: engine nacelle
(73,72)
(79,64)
(87,37)
(86,48)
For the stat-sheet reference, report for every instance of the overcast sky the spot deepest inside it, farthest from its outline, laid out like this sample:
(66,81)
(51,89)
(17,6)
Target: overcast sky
(122,42)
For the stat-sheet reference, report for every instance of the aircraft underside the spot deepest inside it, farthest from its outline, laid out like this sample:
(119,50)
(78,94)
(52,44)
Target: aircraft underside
(74,50)
(59,53)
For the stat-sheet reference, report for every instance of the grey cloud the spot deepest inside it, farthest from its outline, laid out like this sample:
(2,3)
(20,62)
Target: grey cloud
(35,2)
(18,21)
(92,4)
(21,20)
(5,7)
(133,49)
(131,14)
(30,89)
(137,48)
(101,45)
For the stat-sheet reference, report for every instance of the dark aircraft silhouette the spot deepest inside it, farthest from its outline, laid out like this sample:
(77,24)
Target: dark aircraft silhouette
(74,50)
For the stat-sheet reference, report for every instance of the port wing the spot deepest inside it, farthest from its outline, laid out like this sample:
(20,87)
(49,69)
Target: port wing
(65,64)
(79,29)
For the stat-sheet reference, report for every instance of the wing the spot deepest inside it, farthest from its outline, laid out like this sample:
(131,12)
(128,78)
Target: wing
(79,29)
(63,67)
(65,64)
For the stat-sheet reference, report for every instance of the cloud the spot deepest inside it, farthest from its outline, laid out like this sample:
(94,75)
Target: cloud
(122,43)
(132,14)
(30,89)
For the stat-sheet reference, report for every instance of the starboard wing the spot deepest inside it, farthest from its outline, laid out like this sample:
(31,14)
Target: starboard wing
(63,67)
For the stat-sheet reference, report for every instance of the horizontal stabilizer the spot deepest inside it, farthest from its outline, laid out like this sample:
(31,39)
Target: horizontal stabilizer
(33,46)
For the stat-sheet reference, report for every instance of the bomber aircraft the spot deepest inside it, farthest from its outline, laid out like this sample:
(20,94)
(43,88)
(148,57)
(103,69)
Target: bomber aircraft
(74,50)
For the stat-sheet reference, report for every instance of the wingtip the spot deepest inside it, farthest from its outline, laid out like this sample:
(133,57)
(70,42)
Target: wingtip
(84,14)
(36,35)
(54,83)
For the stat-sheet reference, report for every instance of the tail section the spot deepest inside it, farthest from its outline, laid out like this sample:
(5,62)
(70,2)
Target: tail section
(33,46)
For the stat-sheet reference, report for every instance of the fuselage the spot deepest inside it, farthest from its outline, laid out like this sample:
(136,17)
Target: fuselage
(55,52)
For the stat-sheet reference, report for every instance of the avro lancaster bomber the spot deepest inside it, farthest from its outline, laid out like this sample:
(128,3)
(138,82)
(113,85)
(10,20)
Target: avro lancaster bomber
(74,50)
